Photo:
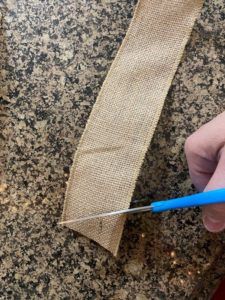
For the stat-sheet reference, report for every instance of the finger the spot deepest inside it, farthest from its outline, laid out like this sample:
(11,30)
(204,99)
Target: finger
(210,137)
(201,167)
(214,215)
(202,150)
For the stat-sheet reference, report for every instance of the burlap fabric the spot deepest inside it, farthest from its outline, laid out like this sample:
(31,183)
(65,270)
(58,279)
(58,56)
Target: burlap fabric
(124,117)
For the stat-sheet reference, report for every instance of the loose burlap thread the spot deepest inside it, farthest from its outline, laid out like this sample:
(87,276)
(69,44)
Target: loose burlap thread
(122,122)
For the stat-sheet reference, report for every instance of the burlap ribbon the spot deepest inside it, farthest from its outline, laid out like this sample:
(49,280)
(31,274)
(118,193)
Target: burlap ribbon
(124,117)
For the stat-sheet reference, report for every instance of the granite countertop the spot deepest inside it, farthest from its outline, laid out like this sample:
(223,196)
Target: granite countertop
(54,56)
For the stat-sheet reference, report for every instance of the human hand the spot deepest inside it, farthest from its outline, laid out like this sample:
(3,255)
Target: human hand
(205,152)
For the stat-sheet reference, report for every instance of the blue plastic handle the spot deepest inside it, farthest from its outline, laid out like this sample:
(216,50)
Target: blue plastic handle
(205,198)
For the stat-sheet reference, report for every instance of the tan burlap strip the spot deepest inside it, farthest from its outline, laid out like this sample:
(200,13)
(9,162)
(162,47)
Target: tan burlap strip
(123,120)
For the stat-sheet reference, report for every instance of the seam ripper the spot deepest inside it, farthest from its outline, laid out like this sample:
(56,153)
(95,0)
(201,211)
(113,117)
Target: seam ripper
(198,199)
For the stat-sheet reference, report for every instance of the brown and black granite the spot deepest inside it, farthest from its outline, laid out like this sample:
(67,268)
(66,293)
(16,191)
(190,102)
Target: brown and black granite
(54,56)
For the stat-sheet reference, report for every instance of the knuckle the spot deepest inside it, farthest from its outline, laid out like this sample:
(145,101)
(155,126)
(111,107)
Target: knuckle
(191,145)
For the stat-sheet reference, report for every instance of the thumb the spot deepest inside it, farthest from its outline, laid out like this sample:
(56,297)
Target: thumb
(214,215)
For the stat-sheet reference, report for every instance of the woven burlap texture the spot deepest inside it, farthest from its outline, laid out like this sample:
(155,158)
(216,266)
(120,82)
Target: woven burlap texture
(122,122)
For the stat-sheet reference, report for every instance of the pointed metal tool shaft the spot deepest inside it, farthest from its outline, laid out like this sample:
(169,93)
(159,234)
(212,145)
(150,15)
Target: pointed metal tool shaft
(113,213)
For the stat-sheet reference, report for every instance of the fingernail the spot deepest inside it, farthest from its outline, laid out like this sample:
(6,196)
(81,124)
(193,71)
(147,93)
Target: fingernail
(212,224)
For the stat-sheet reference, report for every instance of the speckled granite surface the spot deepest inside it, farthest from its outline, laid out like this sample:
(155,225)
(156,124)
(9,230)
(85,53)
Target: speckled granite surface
(54,56)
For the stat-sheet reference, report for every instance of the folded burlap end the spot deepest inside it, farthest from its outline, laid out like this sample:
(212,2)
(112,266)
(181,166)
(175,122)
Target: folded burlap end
(121,125)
